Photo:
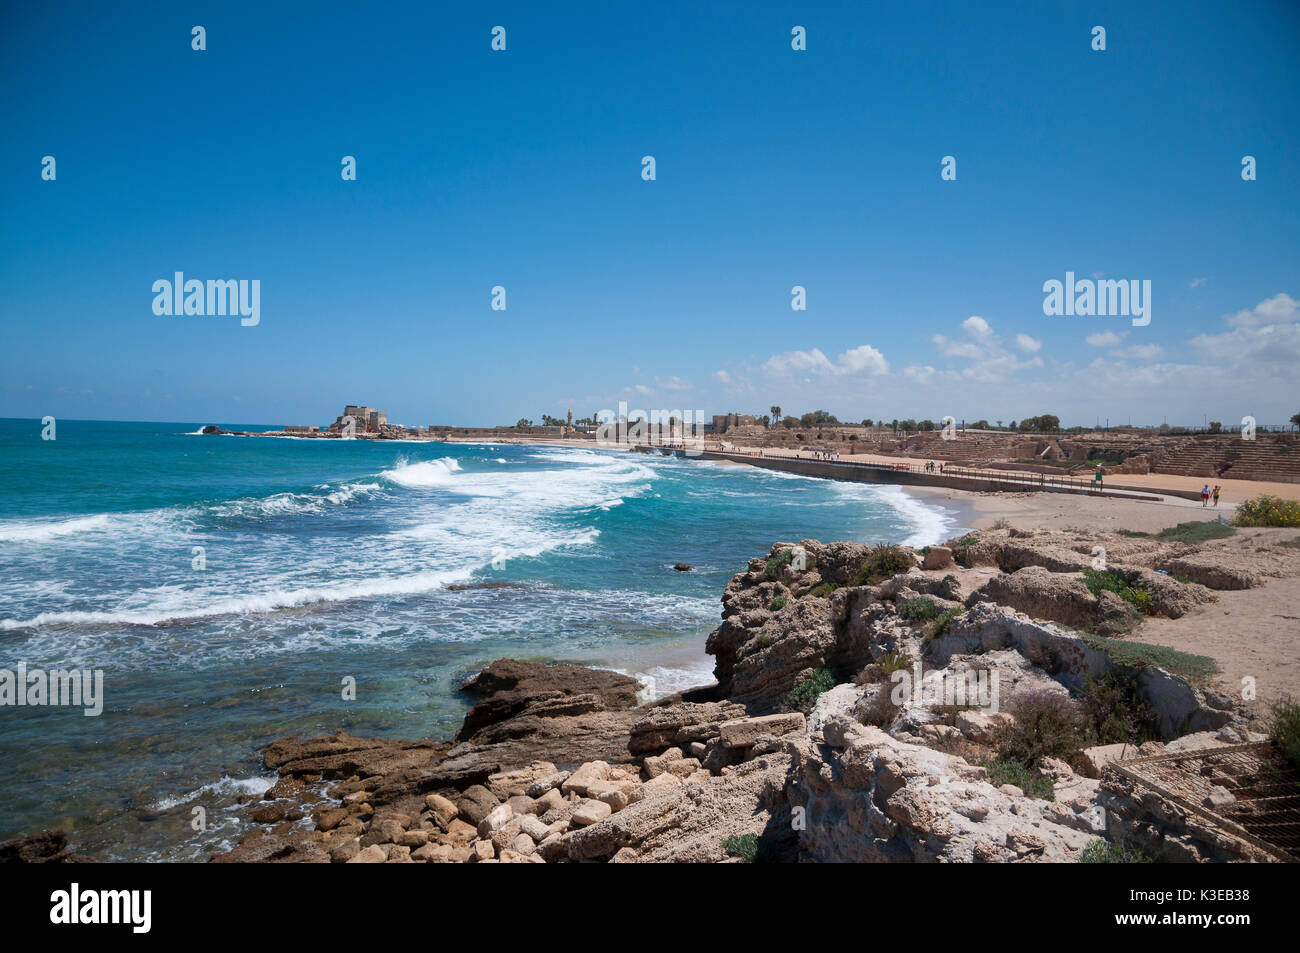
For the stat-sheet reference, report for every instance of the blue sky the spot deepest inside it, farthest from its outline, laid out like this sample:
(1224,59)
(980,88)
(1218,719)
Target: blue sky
(775,168)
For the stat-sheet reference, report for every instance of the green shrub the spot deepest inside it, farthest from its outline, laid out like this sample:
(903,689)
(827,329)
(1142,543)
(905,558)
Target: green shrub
(1131,533)
(1115,710)
(824,589)
(941,621)
(804,695)
(1105,852)
(745,847)
(776,564)
(1268,510)
(1046,725)
(1198,669)
(961,549)
(1197,531)
(1033,783)
(764,641)
(1284,729)
(919,610)
(779,603)
(884,560)
(1108,580)
(893,662)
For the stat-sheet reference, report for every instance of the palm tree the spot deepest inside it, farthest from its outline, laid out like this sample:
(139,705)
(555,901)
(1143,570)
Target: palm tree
(776,413)
(1295,419)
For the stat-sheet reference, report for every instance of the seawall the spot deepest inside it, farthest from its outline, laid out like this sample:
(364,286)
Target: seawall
(982,481)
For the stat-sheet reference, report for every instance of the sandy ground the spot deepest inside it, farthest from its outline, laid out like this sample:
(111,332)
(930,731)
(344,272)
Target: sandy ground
(1251,633)
(1069,510)
(1234,491)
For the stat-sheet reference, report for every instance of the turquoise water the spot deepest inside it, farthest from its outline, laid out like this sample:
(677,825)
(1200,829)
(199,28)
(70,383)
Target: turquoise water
(329,559)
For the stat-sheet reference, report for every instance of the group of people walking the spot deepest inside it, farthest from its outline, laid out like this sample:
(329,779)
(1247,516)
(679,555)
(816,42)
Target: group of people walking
(1206,493)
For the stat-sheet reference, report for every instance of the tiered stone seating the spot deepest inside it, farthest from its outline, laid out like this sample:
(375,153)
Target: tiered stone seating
(1274,459)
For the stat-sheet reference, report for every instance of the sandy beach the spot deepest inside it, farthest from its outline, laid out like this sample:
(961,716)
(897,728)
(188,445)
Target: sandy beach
(1069,510)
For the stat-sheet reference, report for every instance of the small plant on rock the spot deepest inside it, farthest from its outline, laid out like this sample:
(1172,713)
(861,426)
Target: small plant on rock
(779,603)
(1045,725)
(804,695)
(961,549)
(1107,852)
(776,564)
(1108,580)
(1284,729)
(919,610)
(1115,709)
(1034,783)
(883,561)
(941,622)
(743,847)
(892,662)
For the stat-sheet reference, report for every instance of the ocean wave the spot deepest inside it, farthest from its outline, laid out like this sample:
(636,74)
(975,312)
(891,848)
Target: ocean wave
(226,786)
(564,455)
(292,504)
(424,474)
(49,529)
(180,608)
(929,524)
(662,680)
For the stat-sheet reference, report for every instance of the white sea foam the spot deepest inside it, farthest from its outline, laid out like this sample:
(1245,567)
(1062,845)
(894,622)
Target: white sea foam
(660,680)
(184,605)
(292,504)
(424,474)
(226,786)
(929,524)
(39,530)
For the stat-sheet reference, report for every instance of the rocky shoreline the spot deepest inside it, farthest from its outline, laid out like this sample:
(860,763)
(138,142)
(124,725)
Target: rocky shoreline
(803,749)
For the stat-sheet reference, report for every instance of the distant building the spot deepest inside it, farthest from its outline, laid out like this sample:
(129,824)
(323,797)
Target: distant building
(364,419)
(300,428)
(724,422)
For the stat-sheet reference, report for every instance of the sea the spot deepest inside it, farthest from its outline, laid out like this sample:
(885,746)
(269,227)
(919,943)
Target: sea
(234,590)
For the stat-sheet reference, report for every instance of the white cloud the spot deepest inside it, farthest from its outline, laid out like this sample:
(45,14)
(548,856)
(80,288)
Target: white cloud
(1027,344)
(1141,352)
(1105,339)
(977,327)
(674,383)
(722,377)
(1197,282)
(1279,309)
(861,360)
(950,348)
(1267,334)
(921,373)
(798,362)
